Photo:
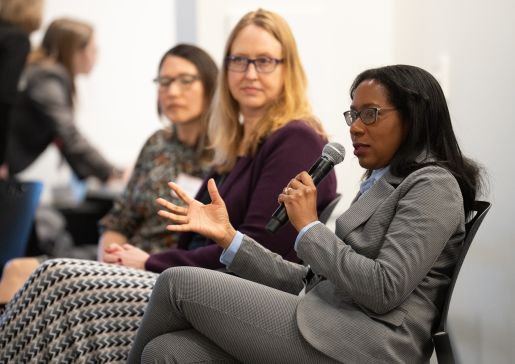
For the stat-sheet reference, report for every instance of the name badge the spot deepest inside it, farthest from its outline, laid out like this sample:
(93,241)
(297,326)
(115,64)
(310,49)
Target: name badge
(188,183)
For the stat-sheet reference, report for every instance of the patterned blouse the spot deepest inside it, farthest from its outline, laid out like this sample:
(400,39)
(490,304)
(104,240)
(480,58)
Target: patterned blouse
(134,214)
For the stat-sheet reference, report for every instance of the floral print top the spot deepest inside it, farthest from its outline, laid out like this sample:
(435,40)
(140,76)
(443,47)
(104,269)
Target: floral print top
(134,214)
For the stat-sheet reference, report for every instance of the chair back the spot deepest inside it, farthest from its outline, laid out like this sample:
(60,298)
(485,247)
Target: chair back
(328,210)
(441,340)
(18,203)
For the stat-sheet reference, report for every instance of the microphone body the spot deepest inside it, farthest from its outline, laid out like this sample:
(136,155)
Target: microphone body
(317,172)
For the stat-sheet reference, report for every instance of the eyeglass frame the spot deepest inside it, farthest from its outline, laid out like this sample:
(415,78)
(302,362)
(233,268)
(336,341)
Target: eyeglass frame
(182,85)
(275,62)
(358,114)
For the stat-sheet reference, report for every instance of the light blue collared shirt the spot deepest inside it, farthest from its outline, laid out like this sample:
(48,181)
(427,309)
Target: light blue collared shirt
(374,177)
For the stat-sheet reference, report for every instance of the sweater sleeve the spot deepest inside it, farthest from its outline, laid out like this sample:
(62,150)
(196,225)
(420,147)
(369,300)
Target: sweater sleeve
(284,154)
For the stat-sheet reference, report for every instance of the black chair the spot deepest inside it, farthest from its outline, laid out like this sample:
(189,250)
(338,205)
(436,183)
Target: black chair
(328,210)
(18,203)
(441,339)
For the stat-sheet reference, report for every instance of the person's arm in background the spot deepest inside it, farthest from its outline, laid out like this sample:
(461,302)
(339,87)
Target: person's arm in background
(284,154)
(14,49)
(51,95)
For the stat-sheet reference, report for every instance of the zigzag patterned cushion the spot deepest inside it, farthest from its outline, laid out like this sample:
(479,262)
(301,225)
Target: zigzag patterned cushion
(75,311)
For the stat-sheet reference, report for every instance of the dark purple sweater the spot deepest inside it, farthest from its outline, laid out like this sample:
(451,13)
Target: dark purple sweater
(250,193)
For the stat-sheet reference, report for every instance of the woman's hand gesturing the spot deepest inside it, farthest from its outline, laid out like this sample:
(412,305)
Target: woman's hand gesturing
(210,220)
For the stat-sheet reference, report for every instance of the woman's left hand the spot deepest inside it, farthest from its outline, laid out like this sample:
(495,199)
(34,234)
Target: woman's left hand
(300,200)
(211,220)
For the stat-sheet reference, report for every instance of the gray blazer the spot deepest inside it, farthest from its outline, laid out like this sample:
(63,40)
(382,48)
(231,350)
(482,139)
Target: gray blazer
(381,278)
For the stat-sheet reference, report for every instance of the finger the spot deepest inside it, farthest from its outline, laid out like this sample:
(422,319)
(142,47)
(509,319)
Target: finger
(111,248)
(283,198)
(180,192)
(295,184)
(172,207)
(178,228)
(180,219)
(280,198)
(110,258)
(213,192)
(305,178)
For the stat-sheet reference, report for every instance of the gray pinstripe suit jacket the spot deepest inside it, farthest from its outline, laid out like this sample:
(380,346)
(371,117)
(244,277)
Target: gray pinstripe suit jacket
(386,269)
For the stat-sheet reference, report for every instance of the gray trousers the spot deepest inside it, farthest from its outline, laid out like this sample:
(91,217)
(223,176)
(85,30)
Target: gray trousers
(197,315)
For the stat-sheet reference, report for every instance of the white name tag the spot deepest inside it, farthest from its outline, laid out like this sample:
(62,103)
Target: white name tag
(188,183)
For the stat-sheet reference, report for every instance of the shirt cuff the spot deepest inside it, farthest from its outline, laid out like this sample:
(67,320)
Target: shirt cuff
(228,254)
(303,231)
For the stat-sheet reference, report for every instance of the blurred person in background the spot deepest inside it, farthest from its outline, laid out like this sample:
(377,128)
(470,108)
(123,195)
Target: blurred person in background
(44,111)
(186,84)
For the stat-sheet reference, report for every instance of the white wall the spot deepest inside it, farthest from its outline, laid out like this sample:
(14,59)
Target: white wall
(476,41)
(116,106)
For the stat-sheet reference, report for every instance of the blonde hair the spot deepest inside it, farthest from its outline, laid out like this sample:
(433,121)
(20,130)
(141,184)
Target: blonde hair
(25,14)
(225,130)
(62,39)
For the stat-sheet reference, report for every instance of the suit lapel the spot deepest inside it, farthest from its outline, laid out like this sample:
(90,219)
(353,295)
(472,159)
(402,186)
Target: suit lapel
(364,206)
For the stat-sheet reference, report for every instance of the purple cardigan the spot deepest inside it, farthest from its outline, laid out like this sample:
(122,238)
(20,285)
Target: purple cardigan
(250,193)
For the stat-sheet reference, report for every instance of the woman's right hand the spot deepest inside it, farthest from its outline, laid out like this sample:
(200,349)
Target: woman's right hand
(211,221)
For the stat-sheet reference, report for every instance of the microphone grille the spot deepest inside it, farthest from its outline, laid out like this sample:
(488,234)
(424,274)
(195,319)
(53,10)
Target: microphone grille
(335,152)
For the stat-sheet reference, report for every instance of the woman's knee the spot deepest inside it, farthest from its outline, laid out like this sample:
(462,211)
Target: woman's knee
(156,352)
(180,282)
(19,268)
(176,275)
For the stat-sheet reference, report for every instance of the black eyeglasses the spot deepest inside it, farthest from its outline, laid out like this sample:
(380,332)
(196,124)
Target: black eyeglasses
(184,81)
(367,115)
(262,64)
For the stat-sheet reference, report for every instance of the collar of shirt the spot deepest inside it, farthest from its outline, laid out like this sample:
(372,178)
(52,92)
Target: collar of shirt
(369,182)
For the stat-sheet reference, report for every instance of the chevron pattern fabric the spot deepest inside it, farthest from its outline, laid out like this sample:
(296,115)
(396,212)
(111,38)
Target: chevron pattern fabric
(75,311)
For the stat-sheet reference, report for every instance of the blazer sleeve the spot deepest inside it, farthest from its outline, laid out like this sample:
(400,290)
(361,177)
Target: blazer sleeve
(427,215)
(51,96)
(256,263)
(288,151)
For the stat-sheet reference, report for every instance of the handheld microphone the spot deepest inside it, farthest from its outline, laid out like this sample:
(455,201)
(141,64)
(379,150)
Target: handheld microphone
(332,154)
